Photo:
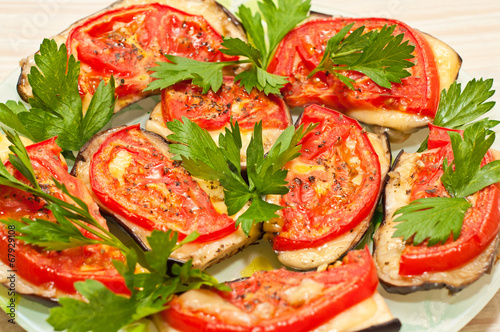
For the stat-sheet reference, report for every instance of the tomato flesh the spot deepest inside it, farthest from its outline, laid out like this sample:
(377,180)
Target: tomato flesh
(126,42)
(154,191)
(302,49)
(54,269)
(480,226)
(334,184)
(343,286)
(213,111)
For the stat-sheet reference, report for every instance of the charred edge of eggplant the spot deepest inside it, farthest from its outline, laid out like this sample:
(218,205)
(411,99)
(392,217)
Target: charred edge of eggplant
(19,85)
(162,139)
(461,61)
(403,290)
(299,118)
(171,262)
(425,286)
(387,178)
(108,215)
(322,15)
(383,198)
(231,16)
(80,158)
(393,325)
(430,285)
(43,300)
(388,145)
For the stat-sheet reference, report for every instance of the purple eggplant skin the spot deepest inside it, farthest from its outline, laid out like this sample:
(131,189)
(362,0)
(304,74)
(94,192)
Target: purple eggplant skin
(483,263)
(203,254)
(85,155)
(390,326)
(217,16)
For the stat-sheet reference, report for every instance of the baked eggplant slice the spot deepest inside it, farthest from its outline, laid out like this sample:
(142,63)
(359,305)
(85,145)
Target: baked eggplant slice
(28,269)
(342,297)
(215,111)
(127,38)
(404,108)
(334,188)
(405,268)
(130,173)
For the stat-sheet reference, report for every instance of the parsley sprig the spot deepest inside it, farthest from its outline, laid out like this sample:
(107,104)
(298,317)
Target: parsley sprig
(150,290)
(202,157)
(56,106)
(108,312)
(64,234)
(459,108)
(436,218)
(257,52)
(379,55)
(464,176)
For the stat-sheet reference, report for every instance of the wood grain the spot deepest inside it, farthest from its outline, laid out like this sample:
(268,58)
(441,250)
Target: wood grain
(472,28)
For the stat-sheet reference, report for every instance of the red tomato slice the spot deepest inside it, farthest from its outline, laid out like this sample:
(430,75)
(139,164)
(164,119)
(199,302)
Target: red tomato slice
(302,49)
(334,184)
(481,224)
(126,42)
(343,286)
(55,269)
(213,111)
(154,191)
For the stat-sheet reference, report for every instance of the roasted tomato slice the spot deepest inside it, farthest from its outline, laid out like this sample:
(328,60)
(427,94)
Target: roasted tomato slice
(134,179)
(54,270)
(126,42)
(481,223)
(302,49)
(213,111)
(276,300)
(334,184)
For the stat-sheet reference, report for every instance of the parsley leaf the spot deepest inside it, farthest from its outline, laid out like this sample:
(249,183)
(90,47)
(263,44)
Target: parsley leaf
(207,75)
(377,54)
(204,159)
(105,311)
(10,117)
(279,20)
(433,218)
(458,108)
(149,291)
(56,106)
(49,235)
(464,176)
(258,51)
(261,80)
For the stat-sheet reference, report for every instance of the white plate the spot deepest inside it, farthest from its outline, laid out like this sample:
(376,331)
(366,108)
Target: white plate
(433,310)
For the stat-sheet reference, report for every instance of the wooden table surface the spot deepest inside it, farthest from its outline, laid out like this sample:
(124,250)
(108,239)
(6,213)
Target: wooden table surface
(471,27)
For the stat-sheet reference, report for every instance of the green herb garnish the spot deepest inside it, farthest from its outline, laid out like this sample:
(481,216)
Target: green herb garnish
(202,158)
(258,51)
(56,106)
(149,291)
(108,312)
(458,108)
(377,54)
(435,218)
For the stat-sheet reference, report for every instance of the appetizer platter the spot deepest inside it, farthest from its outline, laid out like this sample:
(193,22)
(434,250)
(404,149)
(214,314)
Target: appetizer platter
(434,310)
